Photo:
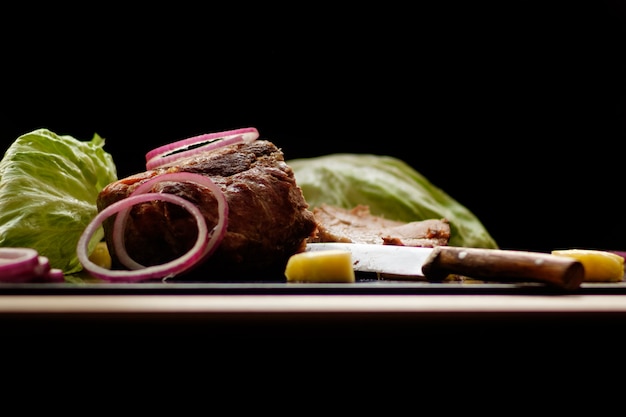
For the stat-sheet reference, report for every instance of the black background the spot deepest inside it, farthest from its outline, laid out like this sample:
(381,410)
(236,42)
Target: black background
(516,109)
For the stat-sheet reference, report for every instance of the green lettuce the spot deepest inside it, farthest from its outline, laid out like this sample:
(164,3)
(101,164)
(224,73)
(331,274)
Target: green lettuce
(48,190)
(391,188)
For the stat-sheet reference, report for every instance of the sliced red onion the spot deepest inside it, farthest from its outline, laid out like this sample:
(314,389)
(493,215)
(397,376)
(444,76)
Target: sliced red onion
(45,273)
(162,271)
(180,149)
(55,275)
(18,265)
(43,265)
(217,233)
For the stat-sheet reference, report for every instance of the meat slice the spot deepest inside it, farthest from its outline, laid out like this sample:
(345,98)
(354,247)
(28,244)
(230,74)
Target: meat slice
(358,225)
(268,219)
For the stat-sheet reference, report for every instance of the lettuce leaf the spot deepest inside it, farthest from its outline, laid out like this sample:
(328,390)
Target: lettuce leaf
(391,188)
(48,190)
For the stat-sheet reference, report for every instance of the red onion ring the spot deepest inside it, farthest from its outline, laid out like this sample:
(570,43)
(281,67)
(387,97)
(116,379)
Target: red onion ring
(16,261)
(176,150)
(217,233)
(19,265)
(165,270)
(45,273)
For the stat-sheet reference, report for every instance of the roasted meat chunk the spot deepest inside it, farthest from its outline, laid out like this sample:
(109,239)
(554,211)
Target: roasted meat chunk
(268,217)
(358,225)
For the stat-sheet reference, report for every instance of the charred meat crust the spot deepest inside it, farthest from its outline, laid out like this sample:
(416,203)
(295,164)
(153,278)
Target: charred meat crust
(268,218)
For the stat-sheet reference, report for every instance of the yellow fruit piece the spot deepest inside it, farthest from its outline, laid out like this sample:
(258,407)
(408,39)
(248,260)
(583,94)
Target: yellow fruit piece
(320,266)
(100,255)
(600,266)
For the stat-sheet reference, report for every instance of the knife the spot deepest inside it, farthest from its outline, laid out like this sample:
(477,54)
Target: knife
(435,264)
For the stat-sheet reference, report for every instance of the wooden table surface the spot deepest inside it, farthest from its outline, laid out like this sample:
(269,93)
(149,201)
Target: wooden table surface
(438,318)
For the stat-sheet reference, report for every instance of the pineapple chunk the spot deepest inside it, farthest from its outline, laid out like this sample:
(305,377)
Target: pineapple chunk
(100,255)
(321,266)
(600,266)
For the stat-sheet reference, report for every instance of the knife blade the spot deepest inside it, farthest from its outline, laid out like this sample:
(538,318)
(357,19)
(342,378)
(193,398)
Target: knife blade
(435,264)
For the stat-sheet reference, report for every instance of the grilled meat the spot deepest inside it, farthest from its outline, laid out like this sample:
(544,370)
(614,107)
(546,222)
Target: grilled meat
(358,225)
(268,218)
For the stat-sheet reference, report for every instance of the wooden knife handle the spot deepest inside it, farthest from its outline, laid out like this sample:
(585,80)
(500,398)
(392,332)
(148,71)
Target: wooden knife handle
(504,265)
